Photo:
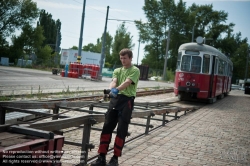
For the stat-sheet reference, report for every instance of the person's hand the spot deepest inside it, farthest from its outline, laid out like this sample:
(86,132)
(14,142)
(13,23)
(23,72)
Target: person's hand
(113,93)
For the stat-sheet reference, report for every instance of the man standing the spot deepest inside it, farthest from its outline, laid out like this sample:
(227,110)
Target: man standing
(123,91)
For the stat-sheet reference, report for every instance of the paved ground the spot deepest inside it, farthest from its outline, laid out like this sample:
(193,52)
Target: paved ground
(14,80)
(217,134)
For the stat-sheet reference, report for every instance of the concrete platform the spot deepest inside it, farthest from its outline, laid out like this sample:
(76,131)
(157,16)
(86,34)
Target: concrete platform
(217,134)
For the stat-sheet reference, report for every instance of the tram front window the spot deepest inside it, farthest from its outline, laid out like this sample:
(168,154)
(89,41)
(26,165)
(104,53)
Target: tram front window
(191,63)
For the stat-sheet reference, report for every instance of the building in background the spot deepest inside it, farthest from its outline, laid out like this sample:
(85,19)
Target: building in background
(70,55)
(4,61)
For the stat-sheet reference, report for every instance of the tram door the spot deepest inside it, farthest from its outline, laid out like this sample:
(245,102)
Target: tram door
(213,80)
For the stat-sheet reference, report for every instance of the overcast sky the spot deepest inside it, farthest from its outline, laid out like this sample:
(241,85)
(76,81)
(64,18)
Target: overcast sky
(70,12)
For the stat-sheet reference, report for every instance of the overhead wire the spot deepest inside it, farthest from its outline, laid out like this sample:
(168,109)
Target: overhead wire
(94,9)
(78,36)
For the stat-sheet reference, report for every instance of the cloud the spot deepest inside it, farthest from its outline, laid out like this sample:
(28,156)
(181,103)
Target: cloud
(48,4)
(58,5)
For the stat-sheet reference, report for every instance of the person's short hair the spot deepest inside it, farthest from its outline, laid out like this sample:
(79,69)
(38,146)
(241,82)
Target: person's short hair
(126,51)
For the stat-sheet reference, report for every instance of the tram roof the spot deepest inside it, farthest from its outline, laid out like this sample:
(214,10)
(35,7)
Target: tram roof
(204,48)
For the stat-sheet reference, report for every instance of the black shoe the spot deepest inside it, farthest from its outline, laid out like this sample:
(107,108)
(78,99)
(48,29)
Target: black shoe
(101,161)
(113,162)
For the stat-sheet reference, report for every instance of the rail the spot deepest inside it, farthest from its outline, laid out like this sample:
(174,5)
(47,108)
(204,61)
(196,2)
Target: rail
(141,110)
(93,97)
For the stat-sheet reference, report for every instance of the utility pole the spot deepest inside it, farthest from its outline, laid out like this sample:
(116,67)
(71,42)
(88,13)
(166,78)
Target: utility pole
(193,35)
(166,57)
(138,48)
(248,51)
(139,35)
(81,33)
(103,45)
(57,45)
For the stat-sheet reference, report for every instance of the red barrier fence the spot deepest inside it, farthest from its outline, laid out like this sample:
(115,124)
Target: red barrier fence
(76,70)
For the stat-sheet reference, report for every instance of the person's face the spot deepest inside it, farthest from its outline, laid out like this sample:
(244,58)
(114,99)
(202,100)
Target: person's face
(125,60)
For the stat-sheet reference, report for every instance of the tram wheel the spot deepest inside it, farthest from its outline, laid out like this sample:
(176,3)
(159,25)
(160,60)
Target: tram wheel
(212,100)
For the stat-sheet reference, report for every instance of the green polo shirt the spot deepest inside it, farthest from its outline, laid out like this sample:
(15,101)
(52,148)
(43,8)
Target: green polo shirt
(133,73)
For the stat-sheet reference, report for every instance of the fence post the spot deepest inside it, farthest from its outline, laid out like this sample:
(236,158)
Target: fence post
(91,107)
(148,123)
(55,111)
(164,119)
(176,115)
(85,141)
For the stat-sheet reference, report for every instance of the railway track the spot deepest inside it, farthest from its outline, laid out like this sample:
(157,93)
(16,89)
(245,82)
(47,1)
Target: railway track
(98,97)
(163,112)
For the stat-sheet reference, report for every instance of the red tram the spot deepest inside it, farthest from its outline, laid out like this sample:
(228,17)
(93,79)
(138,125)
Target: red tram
(202,72)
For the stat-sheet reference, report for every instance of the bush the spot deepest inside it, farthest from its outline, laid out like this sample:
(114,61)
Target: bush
(29,66)
(170,75)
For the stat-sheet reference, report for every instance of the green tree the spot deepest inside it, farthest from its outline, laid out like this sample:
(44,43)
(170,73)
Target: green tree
(209,23)
(122,39)
(29,41)
(91,47)
(44,55)
(152,33)
(74,48)
(239,60)
(4,46)
(15,13)
(237,49)
(108,46)
(98,47)
(166,14)
(51,29)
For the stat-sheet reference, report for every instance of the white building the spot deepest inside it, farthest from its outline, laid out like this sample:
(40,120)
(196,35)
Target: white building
(70,55)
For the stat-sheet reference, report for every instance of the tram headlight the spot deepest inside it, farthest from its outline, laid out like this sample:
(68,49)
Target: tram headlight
(193,84)
(188,83)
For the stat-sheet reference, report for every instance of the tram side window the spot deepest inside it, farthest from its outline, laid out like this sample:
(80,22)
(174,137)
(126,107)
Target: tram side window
(178,61)
(229,70)
(206,63)
(216,66)
(196,64)
(221,67)
(185,63)
(225,68)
